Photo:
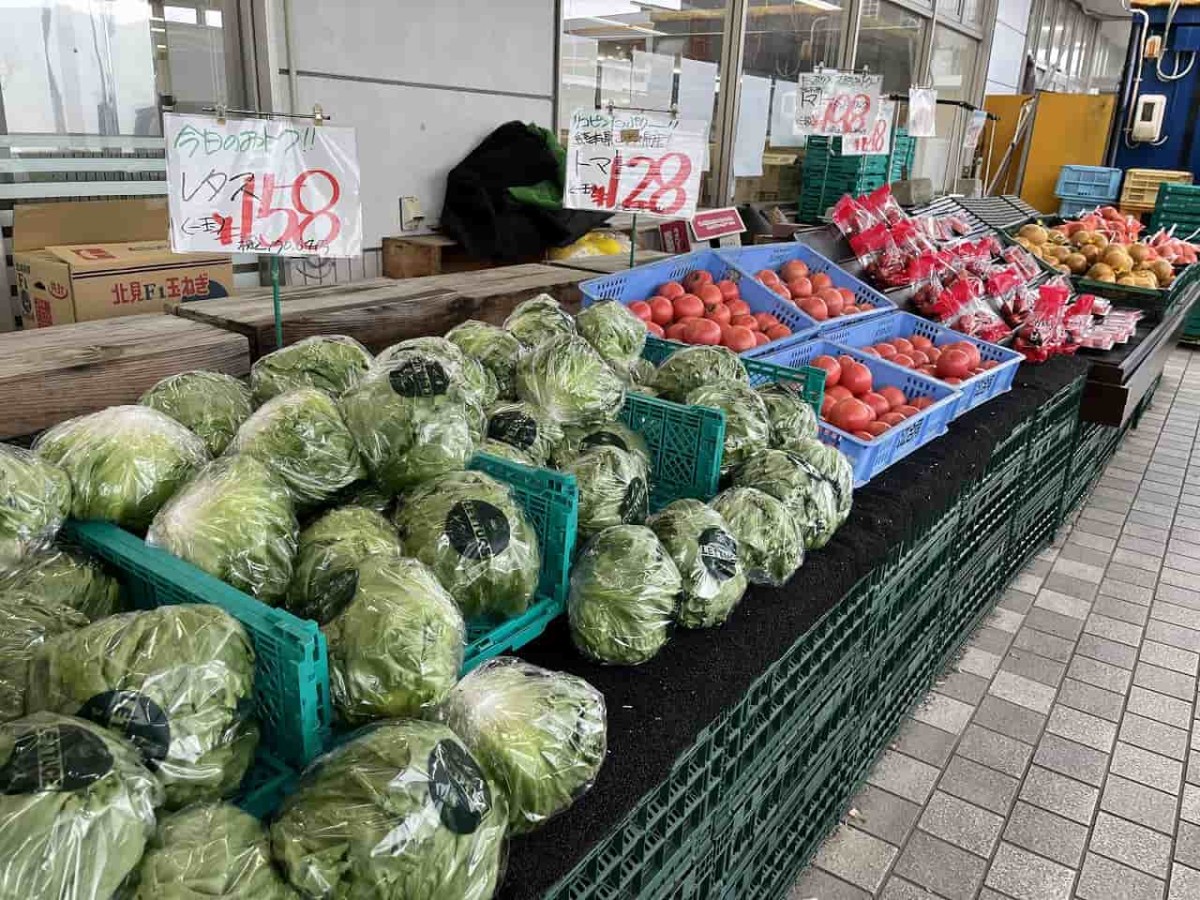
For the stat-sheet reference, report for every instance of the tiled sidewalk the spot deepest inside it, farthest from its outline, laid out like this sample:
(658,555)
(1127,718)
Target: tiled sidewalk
(1060,756)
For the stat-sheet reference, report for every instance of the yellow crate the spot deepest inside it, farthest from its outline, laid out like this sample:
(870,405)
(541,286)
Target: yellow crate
(1141,185)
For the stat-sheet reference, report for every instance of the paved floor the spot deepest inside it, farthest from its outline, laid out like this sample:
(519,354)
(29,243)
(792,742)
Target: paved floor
(1059,757)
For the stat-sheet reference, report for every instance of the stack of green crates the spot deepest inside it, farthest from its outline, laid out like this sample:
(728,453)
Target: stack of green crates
(827,174)
(1178,206)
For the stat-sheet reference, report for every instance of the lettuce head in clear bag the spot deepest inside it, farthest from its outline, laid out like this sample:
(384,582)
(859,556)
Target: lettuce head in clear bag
(212,405)
(613,488)
(747,426)
(687,369)
(176,681)
(495,348)
(808,495)
(37,500)
(540,736)
(211,850)
(538,319)
(706,554)
(493,447)
(235,521)
(469,529)
(570,381)
(76,809)
(831,465)
(609,434)
(332,363)
(401,810)
(624,590)
(395,643)
(124,462)
(616,333)
(770,544)
(790,417)
(526,427)
(479,380)
(68,578)
(26,622)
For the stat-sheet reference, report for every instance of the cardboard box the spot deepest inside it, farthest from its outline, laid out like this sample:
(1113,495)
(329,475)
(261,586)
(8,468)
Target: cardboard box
(77,262)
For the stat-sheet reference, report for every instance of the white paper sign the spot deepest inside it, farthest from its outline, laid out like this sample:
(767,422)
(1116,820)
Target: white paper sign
(272,187)
(974,130)
(630,161)
(753,116)
(878,139)
(922,112)
(837,103)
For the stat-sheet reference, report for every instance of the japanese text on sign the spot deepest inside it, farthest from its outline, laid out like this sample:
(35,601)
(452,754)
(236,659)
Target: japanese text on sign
(265,187)
(837,103)
(878,139)
(634,162)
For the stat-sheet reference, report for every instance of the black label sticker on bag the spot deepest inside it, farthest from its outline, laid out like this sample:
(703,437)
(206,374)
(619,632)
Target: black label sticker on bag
(136,718)
(635,505)
(339,591)
(457,788)
(605,439)
(477,530)
(419,376)
(718,552)
(513,427)
(54,758)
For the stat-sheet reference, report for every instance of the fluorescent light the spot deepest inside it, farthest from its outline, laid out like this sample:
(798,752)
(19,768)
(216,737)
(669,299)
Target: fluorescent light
(821,5)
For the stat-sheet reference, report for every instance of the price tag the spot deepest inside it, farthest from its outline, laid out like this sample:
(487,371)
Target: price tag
(270,187)
(878,139)
(837,103)
(635,162)
(974,130)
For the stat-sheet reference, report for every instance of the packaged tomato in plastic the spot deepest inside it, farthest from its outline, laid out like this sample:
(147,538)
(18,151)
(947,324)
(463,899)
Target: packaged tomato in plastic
(1043,334)
(883,206)
(872,244)
(849,216)
(1022,259)
(1078,320)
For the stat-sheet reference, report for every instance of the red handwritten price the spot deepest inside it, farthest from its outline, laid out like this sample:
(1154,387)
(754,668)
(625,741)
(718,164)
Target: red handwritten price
(259,203)
(668,191)
(846,114)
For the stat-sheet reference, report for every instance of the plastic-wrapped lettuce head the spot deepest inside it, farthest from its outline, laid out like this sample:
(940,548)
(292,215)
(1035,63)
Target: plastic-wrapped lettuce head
(26,622)
(235,521)
(69,578)
(540,736)
(213,405)
(685,370)
(331,550)
(401,810)
(624,590)
(642,374)
(526,427)
(396,646)
(478,380)
(123,462)
(706,555)
(332,363)
(769,540)
(610,434)
(613,489)
(76,809)
(177,681)
(570,381)
(747,426)
(616,333)
(494,347)
(35,498)
(809,497)
(413,419)
(471,532)
(506,451)
(830,464)
(364,493)
(538,319)
(301,437)
(791,419)
(210,850)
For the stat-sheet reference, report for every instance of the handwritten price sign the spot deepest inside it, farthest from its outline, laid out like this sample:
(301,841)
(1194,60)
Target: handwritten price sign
(634,162)
(266,187)
(837,103)
(878,139)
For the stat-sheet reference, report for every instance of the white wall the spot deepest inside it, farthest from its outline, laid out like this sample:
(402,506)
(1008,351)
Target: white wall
(1008,43)
(422,82)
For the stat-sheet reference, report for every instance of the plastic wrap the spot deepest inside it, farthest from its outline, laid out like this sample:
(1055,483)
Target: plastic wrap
(26,622)
(332,363)
(615,333)
(614,489)
(570,381)
(685,370)
(525,427)
(412,419)
(301,437)
(76,809)
(769,540)
(808,496)
(37,499)
(498,350)
(747,422)
(642,374)
(706,555)
(610,434)
(235,521)
(830,464)
(624,591)
(401,810)
(538,319)
(471,532)
(210,404)
(506,451)
(789,416)
(177,681)
(477,380)
(540,736)
(396,647)
(69,578)
(123,462)
(366,494)
(210,850)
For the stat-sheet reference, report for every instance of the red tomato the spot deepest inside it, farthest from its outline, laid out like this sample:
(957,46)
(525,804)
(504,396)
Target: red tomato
(903,345)
(870,351)
(765,320)
(760,338)
(710,294)
(834,302)
(851,415)
(953,381)
(837,392)
(988,364)
(892,418)
(671,290)
(641,309)
(877,402)
(864,307)
(833,370)
(739,308)
(703,331)
(693,281)
(827,403)
(662,311)
(688,305)
(932,353)
(972,353)
(922,343)
(847,296)
(953,364)
(886,350)
(675,332)
(778,332)
(781,289)
(800,287)
(729,289)
(845,359)
(893,395)
(655,330)
(718,312)
(919,358)
(910,409)
(738,339)
(744,322)
(903,359)
(793,269)
(820,280)
(864,435)
(857,378)
(815,307)
(877,427)
(767,276)
(921,402)
(930,370)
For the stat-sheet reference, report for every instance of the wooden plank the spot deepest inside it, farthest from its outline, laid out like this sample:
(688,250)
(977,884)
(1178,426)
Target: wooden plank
(610,265)
(381,312)
(51,374)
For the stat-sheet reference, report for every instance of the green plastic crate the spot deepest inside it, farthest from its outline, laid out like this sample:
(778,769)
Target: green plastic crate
(686,444)
(1178,206)
(265,785)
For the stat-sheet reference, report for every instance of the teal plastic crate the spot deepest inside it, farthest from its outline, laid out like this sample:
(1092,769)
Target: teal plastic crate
(686,445)
(265,785)
(291,676)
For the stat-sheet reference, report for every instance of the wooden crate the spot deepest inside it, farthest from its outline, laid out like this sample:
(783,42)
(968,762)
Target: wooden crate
(382,311)
(51,374)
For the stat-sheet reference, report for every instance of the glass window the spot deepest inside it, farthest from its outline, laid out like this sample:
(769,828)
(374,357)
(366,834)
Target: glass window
(952,66)
(889,42)
(1044,30)
(972,12)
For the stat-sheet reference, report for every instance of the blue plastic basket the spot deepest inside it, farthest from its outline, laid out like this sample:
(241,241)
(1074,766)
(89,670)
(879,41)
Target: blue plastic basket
(749,260)
(1088,183)
(1069,209)
(975,390)
(869,458)
(640,283)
